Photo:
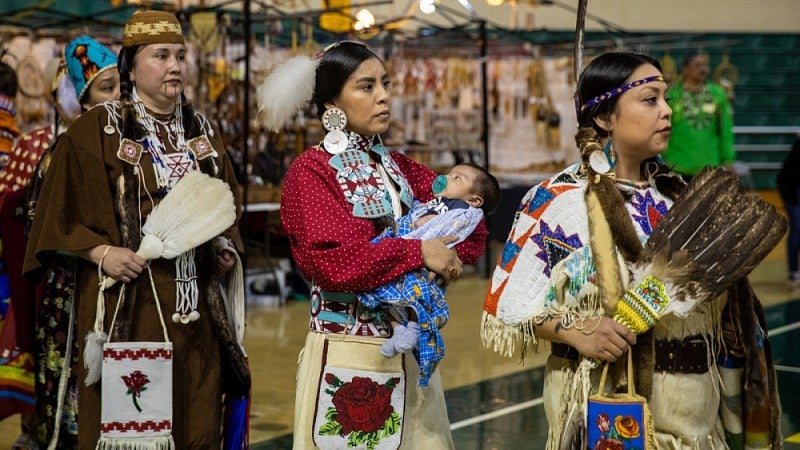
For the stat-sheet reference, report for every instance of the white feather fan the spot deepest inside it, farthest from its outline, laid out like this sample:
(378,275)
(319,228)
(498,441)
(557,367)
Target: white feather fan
(286,90)
(197,209)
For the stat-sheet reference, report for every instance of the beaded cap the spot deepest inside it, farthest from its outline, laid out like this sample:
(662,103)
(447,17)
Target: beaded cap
(152,27)
(86,59)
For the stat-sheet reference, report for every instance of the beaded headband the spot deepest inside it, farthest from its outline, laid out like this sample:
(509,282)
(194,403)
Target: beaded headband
(614,92)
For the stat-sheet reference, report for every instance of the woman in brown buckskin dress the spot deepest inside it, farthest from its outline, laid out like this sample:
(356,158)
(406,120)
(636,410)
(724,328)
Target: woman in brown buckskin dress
(95,199)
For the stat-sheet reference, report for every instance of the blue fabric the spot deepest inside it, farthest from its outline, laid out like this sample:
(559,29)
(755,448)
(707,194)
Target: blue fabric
(86,58)
(413,290)
(236,431)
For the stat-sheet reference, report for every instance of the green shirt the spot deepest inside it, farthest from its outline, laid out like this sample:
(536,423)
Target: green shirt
(702,129)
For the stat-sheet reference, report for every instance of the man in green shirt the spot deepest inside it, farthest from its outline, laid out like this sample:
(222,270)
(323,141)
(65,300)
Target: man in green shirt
(702,122)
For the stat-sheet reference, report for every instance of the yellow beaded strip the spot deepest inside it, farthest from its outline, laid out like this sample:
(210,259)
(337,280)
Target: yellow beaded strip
(641,307)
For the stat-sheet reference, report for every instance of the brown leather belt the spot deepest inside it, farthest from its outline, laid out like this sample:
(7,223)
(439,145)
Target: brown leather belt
(687,355)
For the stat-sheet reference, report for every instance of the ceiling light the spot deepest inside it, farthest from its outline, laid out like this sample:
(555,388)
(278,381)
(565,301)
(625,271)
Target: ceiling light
(364,19)
(427,6)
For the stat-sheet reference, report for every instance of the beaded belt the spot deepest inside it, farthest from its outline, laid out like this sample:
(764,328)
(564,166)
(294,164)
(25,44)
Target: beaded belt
(341,313)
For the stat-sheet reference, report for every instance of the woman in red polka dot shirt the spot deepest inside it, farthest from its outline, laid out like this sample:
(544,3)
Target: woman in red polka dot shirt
(337,196)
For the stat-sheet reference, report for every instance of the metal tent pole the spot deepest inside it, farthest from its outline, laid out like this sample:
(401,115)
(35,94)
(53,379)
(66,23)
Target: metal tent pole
(246,124)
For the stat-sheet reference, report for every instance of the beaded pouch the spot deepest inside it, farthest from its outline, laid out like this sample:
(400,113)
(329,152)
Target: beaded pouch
(619,421)
(360,402)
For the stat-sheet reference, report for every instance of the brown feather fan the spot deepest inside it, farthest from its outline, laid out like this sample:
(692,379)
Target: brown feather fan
(714,235)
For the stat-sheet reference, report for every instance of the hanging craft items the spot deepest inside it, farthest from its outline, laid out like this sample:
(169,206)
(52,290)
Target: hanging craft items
(31,99)
(205,31)
(668,67)
(727,75)
(553,130)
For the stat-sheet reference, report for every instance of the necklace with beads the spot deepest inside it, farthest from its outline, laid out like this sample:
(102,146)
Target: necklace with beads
(698,108)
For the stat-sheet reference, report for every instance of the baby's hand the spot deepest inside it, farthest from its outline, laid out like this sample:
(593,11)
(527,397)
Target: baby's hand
(422,221)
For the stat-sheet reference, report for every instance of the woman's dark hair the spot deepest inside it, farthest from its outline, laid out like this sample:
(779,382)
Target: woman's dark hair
(130,126)
(8,81)
(606,73)
(338,63)
(696,53)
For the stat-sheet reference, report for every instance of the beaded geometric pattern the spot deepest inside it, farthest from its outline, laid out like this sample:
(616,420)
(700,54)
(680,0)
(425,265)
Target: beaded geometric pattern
(648,211)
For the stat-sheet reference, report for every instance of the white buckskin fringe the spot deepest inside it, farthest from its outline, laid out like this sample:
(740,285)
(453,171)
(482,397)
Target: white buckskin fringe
(502,337)
(151,443)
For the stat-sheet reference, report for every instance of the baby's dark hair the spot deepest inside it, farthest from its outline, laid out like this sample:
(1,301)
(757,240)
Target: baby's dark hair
(487,187)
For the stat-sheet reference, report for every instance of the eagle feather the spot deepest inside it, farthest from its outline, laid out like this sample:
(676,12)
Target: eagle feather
(714,235)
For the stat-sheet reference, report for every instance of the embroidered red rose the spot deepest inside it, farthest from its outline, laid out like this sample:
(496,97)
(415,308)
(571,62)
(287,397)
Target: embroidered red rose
(609,444)
(362,405)
(136,384)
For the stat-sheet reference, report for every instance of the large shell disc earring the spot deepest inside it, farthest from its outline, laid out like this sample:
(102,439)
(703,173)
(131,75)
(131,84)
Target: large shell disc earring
(603,161)
(334,120)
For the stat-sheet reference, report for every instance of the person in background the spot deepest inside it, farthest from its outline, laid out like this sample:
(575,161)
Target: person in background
(113,165)
(789,190)
(337,197)
(702,120)
(565,270)
(16,395)
(87,76)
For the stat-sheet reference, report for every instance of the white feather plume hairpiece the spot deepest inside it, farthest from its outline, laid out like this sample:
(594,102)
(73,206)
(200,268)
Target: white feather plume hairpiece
(286,90)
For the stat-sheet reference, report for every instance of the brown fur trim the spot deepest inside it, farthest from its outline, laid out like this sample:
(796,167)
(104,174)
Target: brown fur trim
(235,369)
(607,268)
(743,321)
(625,237)
(128,211)
(644,362)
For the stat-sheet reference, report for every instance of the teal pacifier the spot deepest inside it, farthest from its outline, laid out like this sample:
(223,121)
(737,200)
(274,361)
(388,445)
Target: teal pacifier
(439,184)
